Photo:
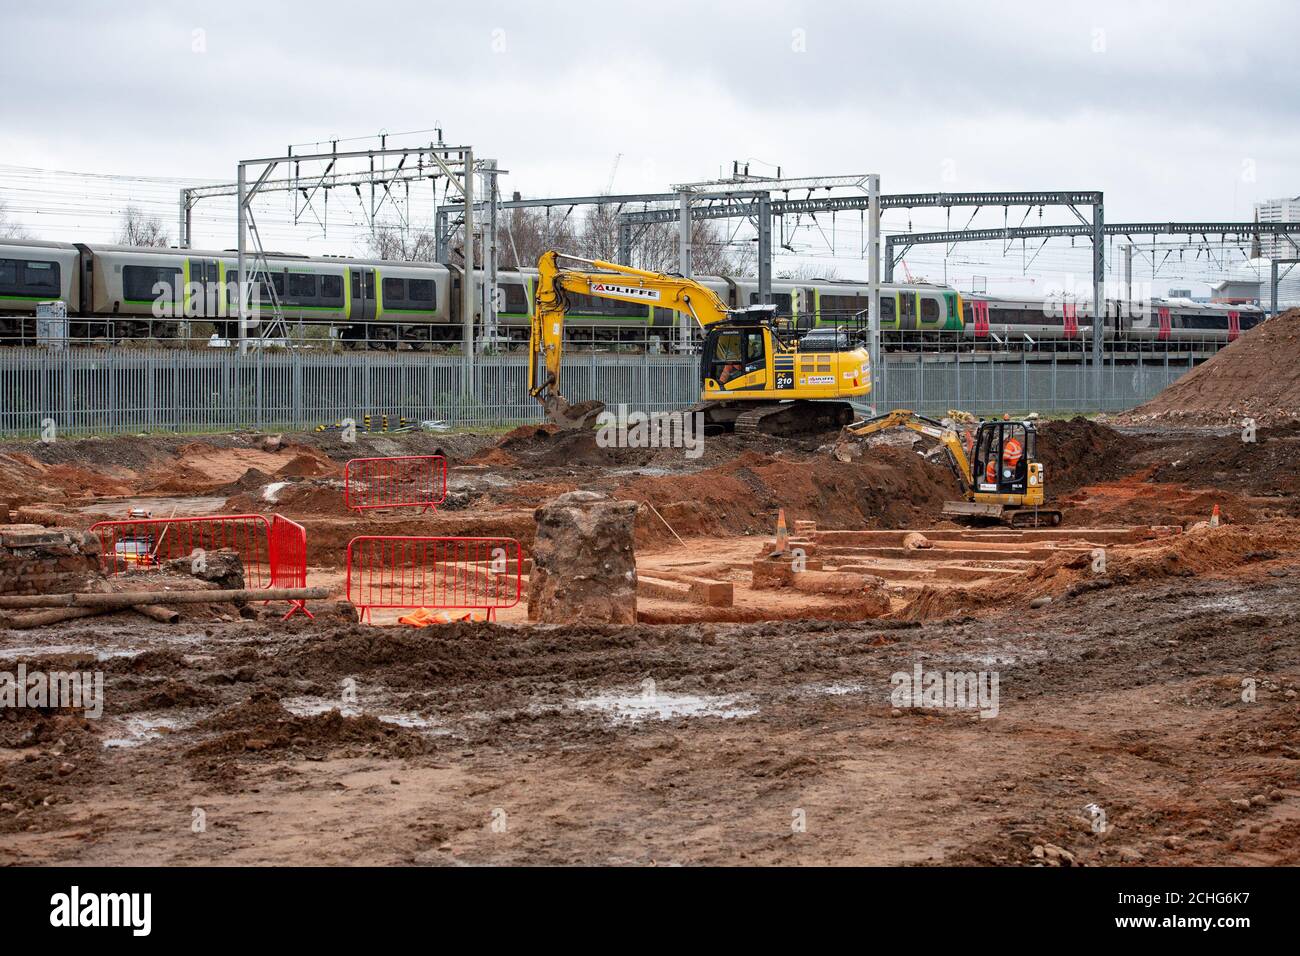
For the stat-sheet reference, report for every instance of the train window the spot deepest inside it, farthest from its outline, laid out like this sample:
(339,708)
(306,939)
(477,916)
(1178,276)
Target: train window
(41,278)
(887,312)
(595,305)
(1219,322)
(302,286)
(331,287)
(276,283)
(784,302)
(8,276)
(929,309)
(356,285)
(422,290)
(138,282)
(842,306)
(394,290)
(516,298)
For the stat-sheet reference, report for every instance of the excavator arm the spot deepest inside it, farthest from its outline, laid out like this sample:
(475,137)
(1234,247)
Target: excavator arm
(937,431)
(607,280)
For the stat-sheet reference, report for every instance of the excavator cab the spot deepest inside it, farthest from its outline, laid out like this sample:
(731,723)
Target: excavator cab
(1001,456)
(733,355)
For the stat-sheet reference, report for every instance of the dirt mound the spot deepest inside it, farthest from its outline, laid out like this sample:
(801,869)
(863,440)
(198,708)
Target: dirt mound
(311,497)
(251,482)
(1270,465)
(1080,452)
(1257,376)
(307,463)
(1137,500)
(887,488)
(547,447)
(262,724)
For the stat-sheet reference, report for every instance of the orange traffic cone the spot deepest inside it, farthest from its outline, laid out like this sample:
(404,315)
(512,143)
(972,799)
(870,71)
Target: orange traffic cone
(782,534)
(1214,517)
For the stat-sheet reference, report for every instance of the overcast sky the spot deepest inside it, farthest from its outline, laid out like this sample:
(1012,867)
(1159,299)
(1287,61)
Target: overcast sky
(1176,110)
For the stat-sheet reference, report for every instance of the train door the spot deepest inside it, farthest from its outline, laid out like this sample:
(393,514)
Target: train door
(205,289)
(805,302)
(907,311)
(363,294)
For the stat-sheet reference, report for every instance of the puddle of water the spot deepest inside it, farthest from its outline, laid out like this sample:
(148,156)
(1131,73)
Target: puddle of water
(413,722)
(630,708)
(309,706)
(99,653)
(837,690)
(43,650)
(138,729)
(1230,602)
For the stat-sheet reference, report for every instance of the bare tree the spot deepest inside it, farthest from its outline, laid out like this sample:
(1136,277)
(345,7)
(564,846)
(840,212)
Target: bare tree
(657,245)
(137,229)
(8,228)
(808,270)
(524,234)
(402,245)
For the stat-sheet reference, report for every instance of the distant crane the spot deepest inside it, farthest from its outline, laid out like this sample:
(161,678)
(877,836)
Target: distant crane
(613,171)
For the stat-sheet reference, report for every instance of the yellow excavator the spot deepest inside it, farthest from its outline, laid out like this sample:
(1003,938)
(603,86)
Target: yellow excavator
(755,376)
(1001,477)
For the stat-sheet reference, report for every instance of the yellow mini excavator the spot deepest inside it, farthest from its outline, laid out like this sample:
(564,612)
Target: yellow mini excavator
(755,377)
(1001,477)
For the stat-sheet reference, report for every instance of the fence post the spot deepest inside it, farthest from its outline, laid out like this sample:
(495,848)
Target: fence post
(1053,380)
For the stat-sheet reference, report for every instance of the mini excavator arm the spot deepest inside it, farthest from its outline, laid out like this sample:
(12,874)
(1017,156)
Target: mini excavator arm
(947,437)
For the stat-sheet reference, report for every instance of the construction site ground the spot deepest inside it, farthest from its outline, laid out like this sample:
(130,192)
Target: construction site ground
(734,723)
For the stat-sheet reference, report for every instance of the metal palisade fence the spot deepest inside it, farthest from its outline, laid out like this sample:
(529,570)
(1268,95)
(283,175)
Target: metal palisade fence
(96,391)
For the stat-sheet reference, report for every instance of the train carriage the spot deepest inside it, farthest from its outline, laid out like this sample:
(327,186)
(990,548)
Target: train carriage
(589,319)
(149,291)
(115,292)
(32,272)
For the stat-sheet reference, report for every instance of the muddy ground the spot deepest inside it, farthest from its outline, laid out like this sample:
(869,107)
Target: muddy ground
(1163,693)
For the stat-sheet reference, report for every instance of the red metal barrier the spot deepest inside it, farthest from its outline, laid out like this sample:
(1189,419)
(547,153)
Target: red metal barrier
(409,481)
(392,571)
(273,551)
(288,547)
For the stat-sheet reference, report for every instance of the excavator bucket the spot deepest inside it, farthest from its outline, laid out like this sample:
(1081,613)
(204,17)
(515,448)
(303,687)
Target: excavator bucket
(573,417)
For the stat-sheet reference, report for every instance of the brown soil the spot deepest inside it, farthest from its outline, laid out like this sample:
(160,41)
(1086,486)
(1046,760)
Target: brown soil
(1258,377)
(1125,691)
(1128,696)
(1081,452)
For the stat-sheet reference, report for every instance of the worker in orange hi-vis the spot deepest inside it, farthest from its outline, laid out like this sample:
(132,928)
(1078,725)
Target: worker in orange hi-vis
(1012,452)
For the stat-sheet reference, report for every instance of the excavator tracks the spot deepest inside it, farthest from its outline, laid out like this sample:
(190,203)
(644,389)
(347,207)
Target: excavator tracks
(783,419)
